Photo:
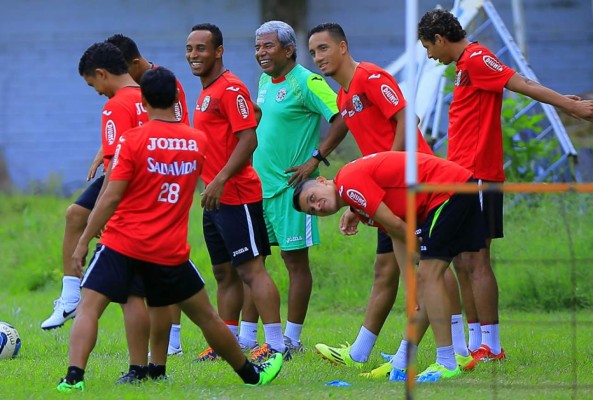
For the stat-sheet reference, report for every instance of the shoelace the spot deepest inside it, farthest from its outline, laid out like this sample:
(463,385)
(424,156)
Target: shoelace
(208,352)
(262,366)
(260,351)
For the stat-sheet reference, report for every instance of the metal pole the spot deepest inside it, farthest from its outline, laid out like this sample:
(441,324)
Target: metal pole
(411,180)
(519,25)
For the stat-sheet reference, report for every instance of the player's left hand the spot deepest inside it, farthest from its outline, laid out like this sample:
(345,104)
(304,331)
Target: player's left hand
(212,194)
(301,172)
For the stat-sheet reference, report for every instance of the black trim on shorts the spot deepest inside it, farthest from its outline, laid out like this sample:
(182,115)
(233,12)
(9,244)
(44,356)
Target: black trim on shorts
(492,203)
(236,233)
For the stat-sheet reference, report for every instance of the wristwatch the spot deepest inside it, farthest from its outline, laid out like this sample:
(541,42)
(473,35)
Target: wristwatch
(317,155)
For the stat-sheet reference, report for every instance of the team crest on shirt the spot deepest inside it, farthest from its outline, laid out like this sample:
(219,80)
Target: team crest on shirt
(389,94)
(205,103)
(492,63)
(242,106)
(356,197)
(458,78)
(110,131)
(281,95)
(357,103)
(178,111)
(116,155)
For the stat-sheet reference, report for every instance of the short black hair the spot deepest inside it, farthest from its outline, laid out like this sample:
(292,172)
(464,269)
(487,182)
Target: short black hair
(102,55)
(440,22)
(126,45)
(159,87)
(213,29)
(334,30)
(297,193)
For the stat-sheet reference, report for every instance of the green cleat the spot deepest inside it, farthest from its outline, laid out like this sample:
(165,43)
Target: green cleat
(65,387)
(338,356)
(436,372)
(466,363)
(379,373)
(269,370)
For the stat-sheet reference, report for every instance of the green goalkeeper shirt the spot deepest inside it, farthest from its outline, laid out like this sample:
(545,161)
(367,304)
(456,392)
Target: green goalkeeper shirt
(288,132)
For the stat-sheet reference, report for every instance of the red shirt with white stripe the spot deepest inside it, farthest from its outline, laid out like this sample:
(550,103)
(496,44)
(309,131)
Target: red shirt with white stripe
(121,112)
(475,131)
(372,98)
(223,109)
(381,177)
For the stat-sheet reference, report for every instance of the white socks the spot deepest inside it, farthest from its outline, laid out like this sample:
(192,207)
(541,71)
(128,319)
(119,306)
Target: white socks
(273,334)
(491,338)
(293,332)
(248,334)
(400,359)
(458,335)
(363,345)
(70,289)
(475,335)
(234,329)
(446,357)
(174,336)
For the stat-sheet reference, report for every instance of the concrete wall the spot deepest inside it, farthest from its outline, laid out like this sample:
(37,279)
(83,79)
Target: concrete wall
(50,119)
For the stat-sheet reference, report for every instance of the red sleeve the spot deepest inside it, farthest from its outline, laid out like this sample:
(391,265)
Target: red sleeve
(116,120)
(361,192)
(181,107)
(385,93)
(123,161)
(236,104)
(487,72)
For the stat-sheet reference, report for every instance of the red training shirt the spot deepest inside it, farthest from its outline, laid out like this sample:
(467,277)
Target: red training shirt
(475,132)
(224,108)
(372,98)
(121,112)
(162,163)
(381,177)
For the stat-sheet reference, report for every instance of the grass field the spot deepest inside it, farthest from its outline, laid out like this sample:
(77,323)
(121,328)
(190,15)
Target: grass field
(542,265)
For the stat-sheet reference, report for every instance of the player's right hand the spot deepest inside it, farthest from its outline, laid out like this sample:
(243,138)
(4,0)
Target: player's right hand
(79,258)
(95,164)
(349,223)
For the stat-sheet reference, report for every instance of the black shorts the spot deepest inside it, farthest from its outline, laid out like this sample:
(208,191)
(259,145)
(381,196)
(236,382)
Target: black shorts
(492,206)
(166,285)
(453,227)
(88,198)
(384,243)
(118,276)
(236,233)
(110,273)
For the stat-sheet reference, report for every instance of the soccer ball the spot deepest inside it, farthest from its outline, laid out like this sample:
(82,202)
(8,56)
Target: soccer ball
(10,342)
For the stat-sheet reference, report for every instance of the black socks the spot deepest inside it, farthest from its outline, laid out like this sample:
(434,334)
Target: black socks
(248,373)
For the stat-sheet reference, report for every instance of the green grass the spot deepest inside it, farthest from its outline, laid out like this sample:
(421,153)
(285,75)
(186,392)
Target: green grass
(542,264)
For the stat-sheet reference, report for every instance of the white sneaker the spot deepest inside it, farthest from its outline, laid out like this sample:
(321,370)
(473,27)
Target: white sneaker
(173,351)
(62,313)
